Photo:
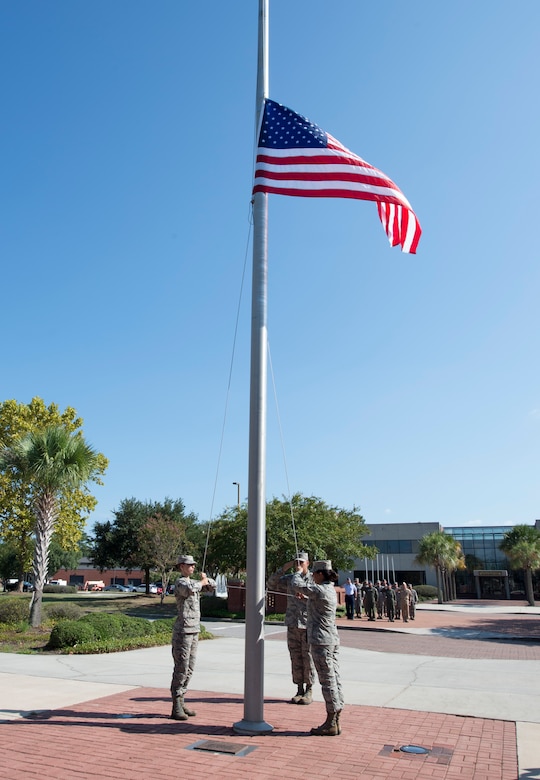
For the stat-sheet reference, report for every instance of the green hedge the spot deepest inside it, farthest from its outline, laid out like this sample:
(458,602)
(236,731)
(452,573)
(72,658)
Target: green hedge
(69,633)
(163,625)
(14,609)
(213,606)
(106,628)
(62,611)
(426,592)
(60,589)
(104,633)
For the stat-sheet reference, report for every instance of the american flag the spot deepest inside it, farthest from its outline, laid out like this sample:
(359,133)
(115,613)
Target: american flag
(296,157)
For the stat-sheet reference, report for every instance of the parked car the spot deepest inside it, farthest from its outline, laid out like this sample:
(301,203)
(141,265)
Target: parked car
(118,588)
(170,587)
(13,583)
(142,589)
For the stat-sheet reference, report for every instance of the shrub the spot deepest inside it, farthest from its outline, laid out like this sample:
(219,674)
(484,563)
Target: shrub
(205,634)
(118,626)
(14,609)
(60,589)
(134,627)
(68,633)
(105,626)
(61,611)
(213,606)
(96,633)
(426,592)
(163,625)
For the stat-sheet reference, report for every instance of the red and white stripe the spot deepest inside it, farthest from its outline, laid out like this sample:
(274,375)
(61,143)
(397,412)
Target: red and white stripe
(335,172)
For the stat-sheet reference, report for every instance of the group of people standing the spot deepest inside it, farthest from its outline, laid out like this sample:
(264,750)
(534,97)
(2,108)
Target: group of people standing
(380,600)
(312,636)
(310,618)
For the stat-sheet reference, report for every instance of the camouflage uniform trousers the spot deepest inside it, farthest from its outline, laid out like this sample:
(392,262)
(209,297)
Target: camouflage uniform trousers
(303,670)
(184,650)
(325,658)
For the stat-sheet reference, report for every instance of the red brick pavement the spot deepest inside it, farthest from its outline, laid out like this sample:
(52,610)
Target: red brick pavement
(129,735)
(452,634)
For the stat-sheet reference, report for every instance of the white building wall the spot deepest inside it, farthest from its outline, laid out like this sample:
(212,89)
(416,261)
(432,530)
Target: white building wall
(395,561)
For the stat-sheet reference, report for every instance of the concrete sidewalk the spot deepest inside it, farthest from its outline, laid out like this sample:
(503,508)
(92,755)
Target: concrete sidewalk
(470,702)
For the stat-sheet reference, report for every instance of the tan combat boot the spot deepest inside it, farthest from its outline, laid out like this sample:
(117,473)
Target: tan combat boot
(299,693)
(189,712)
(307,698)
(329,727)
(177,709)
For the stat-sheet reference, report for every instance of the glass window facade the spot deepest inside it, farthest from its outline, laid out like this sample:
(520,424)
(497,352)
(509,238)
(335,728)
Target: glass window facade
(483,543)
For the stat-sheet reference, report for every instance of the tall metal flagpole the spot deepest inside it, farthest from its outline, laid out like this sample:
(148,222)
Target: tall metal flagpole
(253,721)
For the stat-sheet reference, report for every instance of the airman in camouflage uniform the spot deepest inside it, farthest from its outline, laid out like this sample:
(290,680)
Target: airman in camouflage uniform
(323,639)
(186,632)
(303,670)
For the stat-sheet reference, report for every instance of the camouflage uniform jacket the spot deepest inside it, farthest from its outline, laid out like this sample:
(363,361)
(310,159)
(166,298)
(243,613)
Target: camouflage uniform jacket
(321,611)
(187,593)
(296,613)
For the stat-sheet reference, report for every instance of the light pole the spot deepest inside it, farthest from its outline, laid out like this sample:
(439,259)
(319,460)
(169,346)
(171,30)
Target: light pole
(238,492)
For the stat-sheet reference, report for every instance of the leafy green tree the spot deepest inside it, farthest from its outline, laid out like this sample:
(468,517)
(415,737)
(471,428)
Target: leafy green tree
(17,519)
(121,542)
(521,545)
(62,559)
(440,551)
(49,463)
(324,531)
(163,540)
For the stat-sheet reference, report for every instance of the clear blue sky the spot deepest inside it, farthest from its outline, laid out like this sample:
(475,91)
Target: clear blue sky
(407,385)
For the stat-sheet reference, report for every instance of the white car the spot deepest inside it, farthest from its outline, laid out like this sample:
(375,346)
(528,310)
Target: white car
(142,589)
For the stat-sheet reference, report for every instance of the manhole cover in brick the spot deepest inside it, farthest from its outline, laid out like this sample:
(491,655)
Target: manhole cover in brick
(416,749)
(216,746)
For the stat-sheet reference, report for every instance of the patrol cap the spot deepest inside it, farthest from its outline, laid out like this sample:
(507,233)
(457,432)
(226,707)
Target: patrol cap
(322,566)
(187,559)
(302,556)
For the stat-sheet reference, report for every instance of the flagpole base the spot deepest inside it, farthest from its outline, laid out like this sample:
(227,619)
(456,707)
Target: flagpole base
(252,728)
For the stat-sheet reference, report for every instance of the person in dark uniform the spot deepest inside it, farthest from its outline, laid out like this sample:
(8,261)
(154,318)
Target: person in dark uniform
(370,600)
(390,599)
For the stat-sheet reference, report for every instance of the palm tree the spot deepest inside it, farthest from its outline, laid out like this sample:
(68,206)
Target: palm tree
(521,545)
(439,551)
(51,461)
(456,562)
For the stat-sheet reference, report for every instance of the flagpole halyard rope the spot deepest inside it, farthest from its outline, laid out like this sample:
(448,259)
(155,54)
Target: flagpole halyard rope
(227,395)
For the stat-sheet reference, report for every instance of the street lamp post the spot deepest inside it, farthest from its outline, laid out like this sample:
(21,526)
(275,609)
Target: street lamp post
(238,492)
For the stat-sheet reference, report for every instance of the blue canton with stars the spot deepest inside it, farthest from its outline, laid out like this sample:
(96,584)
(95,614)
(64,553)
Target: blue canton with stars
(283,129)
